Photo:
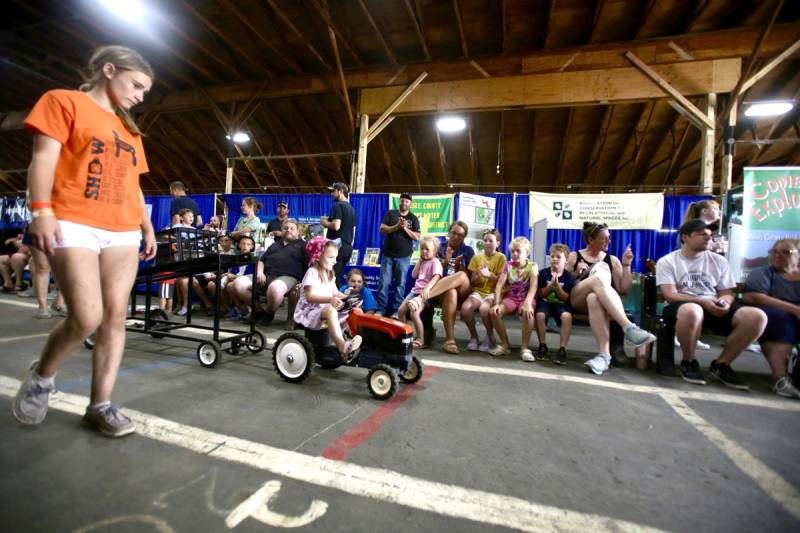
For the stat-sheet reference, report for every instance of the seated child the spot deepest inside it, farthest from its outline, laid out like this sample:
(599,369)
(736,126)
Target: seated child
(427,272)
(319,300)
(14,263)
(357,294)
(552,299)
(485,269)
(237,283)
(520,276)
(205,285)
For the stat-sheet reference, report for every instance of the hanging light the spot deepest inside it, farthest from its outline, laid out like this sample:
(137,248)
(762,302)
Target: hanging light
(451,124)
(239,137)
(771,108)
(133,11)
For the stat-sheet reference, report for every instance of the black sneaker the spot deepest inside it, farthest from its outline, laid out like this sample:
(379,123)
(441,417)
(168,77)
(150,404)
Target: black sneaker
(727,376)
(560,358)
(542,354)
(265,319)
(690,371)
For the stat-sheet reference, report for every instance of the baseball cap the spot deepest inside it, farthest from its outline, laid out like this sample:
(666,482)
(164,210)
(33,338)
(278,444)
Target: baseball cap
(339,186)
(697,224)
(283,204)
(406,195)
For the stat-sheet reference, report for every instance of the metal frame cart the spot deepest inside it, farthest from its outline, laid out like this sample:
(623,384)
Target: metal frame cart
(186,252)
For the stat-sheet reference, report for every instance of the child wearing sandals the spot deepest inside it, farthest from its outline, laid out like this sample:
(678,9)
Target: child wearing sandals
(319,300)
(427,272)
(520,275)
(485,269)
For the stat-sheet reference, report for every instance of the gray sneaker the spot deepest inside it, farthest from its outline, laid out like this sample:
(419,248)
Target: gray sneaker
(27,293)
(637,336)
(599,363)
(109,421)
(30,403)
(784,387)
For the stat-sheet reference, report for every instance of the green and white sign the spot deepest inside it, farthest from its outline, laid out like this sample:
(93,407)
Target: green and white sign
(434,211)
(772,198)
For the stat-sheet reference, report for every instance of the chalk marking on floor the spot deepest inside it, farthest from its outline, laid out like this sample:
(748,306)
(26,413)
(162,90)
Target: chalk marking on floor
(741,399)
(340,448)
(19,302)
(257,507)
(325,429)
(24,337)
(770,481)
(368,482)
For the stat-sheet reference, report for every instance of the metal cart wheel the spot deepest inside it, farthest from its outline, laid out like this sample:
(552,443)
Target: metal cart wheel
(414,372)
(255,342)
(293,357)
(208,353)
(89,341)
(382,381)
(158,314)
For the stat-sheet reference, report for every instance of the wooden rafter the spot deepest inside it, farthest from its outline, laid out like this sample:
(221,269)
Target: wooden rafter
(258,35)
(342,80)
(500,169)
(473,156)
(503,26)
(377,31)
(286,20)
(181,130)
(645,16)
(301,139)
(177,150)
(600,142)
(464,47)
(639,141)
(532,150)
(387,161)
(320,128)
(550,8)
(565,145)
(698,12)
(224,37)
(442,158)
(325,14)
(413,151)
(419,28)
(598,12)
(277,139)
(226,65)
(674,156)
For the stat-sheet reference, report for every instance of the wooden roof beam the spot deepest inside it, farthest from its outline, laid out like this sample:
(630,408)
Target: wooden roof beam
(419,28)
(342,79)
(387,161)
(442,157)
(389,53)
(565,145)
(311,160)
(325,14)
(413,152)
(473,156)
(532,150)
(286,20)
(179,151)
(540,90)
(464,47)
(675,155)
(276,138)
(321,129)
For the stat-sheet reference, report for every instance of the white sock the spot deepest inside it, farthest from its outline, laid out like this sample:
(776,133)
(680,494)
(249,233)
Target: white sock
(43,381)
(99,406)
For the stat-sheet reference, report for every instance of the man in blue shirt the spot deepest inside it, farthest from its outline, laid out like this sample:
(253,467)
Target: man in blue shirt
(180,201)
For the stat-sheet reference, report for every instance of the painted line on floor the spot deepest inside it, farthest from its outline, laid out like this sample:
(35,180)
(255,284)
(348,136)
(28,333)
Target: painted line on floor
(367,482)
(352,439)
(20,302)
(24,337)
(770,481)
(739,399)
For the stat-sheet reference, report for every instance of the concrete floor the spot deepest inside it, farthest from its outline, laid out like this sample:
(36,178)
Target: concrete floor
(479,444)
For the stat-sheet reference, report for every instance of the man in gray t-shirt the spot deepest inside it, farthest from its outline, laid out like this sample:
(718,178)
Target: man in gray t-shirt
(699,289)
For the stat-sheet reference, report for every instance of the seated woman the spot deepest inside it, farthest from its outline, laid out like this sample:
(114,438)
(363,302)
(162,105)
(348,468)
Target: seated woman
(485,269)
(599,276)
(519,277)
(776,290)
(14,263)
(552,300)
(319,300)
(427,272)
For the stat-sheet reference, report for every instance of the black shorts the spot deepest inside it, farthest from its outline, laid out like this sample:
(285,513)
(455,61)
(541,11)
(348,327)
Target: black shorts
(553,309)
(721,325)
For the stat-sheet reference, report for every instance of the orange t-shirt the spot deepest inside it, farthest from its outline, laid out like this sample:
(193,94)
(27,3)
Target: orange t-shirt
(97,175)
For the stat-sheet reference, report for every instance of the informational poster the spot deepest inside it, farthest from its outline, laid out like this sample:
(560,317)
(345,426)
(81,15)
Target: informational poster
(372,257)
(771,211)
(618,211)
(434,211)
(479,214)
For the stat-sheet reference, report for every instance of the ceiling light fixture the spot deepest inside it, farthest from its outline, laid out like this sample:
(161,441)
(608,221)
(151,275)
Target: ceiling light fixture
(133,11)
(451,124)
(771,108)
(239,137)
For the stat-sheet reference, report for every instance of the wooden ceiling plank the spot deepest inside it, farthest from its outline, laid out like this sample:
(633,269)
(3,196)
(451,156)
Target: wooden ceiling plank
(188,162)
(224,37)
(564,145)
(442,158)
(387,161)
(464,47)
(325,14)
(311,160)
(640,140)
(600,142)
(189,123)
(322,130)
(277,139)
(674,156)
(532,151)
(227,65)
(698,12)
(418,29)
(413,152)
(258,35)
(294,29)
(342,80)
(389,53)
(644,18)
(270,165)
(473,156)
(500,169)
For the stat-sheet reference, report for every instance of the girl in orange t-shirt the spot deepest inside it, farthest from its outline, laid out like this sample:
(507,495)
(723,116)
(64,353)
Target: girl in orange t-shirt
(88,215)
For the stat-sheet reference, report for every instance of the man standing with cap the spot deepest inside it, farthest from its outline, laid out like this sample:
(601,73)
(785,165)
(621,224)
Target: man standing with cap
(699,288)
(274,228)
(180,201)
(340,224)
(401,228)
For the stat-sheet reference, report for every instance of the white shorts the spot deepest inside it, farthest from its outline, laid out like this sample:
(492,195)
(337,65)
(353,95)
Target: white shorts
(489,299)
(96,239)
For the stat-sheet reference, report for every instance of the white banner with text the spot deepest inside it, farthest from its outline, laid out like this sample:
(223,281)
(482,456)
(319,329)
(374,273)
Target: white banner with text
(618,211)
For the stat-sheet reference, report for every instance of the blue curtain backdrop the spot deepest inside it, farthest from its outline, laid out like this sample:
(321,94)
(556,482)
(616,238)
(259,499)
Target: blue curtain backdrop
(160,214)
(646,244)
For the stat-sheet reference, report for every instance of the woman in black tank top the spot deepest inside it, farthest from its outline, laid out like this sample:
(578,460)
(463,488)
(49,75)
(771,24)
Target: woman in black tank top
(599,299)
